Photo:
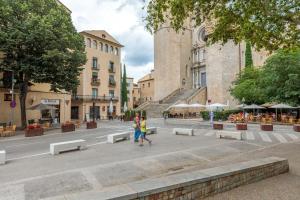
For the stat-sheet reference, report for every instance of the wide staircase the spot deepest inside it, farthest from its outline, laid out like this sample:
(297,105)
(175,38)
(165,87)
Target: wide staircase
(155,109)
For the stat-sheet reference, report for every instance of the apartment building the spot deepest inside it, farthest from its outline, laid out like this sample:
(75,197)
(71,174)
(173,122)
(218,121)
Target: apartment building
(146,85)
(100,79)
(136,95)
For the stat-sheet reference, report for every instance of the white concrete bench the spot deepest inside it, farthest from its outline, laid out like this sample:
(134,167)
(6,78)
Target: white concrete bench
(56,148)
(152,130)
(229,134)
(113,138)
(183,131)
(2,157)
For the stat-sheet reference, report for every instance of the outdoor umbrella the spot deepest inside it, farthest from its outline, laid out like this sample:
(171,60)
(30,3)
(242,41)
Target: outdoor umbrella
(111,108)
(215,106)
(196,105)
(281,106)
(125,107)
(41,107)
(253,106)
(181,106)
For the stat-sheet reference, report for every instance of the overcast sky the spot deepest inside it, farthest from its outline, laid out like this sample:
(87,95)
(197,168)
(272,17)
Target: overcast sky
(123,19)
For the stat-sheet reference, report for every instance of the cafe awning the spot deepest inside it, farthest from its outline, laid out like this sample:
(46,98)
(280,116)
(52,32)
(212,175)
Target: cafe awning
(41,106)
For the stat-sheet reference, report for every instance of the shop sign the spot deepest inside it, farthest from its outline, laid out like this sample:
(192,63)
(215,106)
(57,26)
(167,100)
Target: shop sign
(50,101)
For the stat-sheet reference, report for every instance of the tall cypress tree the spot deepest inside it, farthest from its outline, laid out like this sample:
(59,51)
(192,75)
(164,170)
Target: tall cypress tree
(124,87)
(248,55)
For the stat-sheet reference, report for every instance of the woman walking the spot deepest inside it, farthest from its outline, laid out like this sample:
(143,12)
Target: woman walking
(137,127)
(144,132)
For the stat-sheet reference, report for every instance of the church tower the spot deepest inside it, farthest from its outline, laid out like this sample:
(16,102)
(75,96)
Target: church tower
(172,60)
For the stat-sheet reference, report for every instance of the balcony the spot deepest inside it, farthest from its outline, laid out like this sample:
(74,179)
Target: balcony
(97,67)
(111,70)
(112,83)
(197,63)
(92,98)
(95,82)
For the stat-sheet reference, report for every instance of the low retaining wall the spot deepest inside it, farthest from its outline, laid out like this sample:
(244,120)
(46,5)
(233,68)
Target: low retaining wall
(193,185)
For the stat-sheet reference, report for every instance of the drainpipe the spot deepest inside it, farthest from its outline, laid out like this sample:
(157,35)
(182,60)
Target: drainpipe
(240,60)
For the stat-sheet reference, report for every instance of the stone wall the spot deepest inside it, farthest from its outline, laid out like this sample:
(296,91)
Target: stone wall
(221,180)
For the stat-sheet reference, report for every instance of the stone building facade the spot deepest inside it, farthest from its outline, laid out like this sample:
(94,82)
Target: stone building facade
(136,95)
(100,78)
(130,84)
(146,85)
(184,60)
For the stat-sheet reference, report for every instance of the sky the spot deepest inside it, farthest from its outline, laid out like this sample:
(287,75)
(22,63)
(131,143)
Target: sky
(123,19)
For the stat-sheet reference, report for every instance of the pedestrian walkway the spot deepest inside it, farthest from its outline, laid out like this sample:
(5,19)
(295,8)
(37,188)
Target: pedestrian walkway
(267,137)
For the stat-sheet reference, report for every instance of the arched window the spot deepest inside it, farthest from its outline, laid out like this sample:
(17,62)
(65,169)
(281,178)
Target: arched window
(106,48)
(101,46)
(88,42)
(116,51)
(202,35)
(94,44)
(111,49)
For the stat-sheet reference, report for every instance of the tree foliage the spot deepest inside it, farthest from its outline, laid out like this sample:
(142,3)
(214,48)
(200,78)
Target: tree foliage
(124,87)
(40,45)
(248,55)
(247,87)
(268,24)
(277,81)
(280,78)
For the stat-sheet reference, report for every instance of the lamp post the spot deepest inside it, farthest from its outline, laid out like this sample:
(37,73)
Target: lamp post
(243,103)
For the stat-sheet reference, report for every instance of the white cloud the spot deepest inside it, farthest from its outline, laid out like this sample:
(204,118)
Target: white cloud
(123,19)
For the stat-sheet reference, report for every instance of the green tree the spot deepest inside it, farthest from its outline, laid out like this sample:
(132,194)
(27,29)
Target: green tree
(268,24)
(40,45)
(124,87)
(248,55)
(247,86)
(281,77)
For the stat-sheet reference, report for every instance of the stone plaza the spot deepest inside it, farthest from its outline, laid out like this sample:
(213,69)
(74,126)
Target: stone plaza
(32,173)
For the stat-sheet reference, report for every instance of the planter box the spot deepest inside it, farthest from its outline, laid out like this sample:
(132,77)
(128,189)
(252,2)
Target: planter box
(296,127)
(218,126)
(91,125)
(34,132)
(266,127)
(241,126)
(67,128)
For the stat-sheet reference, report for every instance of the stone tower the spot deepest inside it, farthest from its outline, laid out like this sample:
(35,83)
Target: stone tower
(172,61)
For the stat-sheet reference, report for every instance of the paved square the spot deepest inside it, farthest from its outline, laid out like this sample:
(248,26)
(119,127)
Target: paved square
(32,173)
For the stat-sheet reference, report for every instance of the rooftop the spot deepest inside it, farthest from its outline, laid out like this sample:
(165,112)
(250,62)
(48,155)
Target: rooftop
(103,35)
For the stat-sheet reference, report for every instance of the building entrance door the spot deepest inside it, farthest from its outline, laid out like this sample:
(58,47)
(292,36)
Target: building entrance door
(74,112)
(96,112)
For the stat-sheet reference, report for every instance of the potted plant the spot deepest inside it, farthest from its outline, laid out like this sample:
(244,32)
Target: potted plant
(34,130)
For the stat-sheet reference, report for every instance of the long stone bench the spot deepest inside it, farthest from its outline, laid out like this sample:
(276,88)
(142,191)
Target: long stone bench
(152,130)
(183,131)
(192,185)
(56,148)
(2,157)
(229,134)
(113,138)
